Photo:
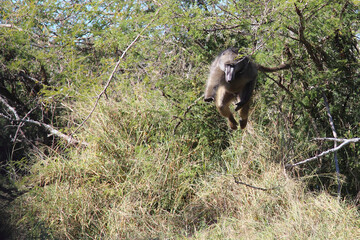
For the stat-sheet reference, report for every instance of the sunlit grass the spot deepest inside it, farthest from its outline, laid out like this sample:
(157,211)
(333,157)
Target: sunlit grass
(138,179)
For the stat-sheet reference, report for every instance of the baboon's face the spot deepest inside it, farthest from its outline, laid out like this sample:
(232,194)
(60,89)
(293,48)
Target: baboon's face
(229,72)
(233,67)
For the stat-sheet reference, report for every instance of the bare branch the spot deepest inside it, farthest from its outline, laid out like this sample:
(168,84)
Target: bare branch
(339,139)
(20,125)
(345,142)
(48,127)
(329,115)
(112,74)
(10,26)
(309,47)
(237,181)
(9,107)
(335,144)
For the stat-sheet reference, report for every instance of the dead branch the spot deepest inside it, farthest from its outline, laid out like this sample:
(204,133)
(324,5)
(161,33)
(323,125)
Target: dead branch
(329,115)
(339,139)
(10,26)
(344,142)
(237,181)
(11,109)
(48,127)
(335,144)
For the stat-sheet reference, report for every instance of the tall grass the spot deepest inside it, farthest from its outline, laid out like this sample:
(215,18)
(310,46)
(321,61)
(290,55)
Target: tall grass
(152,172)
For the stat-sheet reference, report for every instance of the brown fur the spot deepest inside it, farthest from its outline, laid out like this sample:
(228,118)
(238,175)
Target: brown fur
(231,79)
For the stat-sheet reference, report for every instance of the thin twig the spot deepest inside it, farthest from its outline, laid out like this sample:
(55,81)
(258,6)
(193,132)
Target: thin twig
(237,181)
(112,74)
(21,124)
(186,111)
(286,90)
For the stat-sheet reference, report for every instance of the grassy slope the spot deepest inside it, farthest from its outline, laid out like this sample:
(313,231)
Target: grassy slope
(140,179)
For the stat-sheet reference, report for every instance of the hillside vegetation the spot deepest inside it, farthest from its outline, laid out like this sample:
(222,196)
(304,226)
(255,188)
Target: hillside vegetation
(105,134)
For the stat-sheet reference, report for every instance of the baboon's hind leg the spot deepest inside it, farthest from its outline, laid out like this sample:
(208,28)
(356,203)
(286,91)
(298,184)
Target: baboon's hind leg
(223,100)
(244,113)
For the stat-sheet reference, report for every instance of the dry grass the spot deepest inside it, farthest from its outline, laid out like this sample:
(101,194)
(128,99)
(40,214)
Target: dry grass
(140,180)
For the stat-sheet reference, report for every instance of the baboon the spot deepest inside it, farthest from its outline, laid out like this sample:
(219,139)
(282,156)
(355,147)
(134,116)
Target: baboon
(232,78)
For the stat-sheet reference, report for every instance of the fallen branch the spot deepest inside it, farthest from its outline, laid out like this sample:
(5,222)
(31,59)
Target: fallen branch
(344,142)
(48,127)
(237,181)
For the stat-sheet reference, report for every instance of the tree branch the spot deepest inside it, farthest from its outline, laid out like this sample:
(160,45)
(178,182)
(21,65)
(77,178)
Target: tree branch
(344,142)
(3,101)
(309,48)
(286,90)
(112,74)
(332,125)
(339,139)
(10,26)
(237,181)
(48,127)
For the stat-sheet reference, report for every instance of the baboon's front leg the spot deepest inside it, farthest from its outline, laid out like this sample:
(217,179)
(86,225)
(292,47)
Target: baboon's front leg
(211,85)
(245,95)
